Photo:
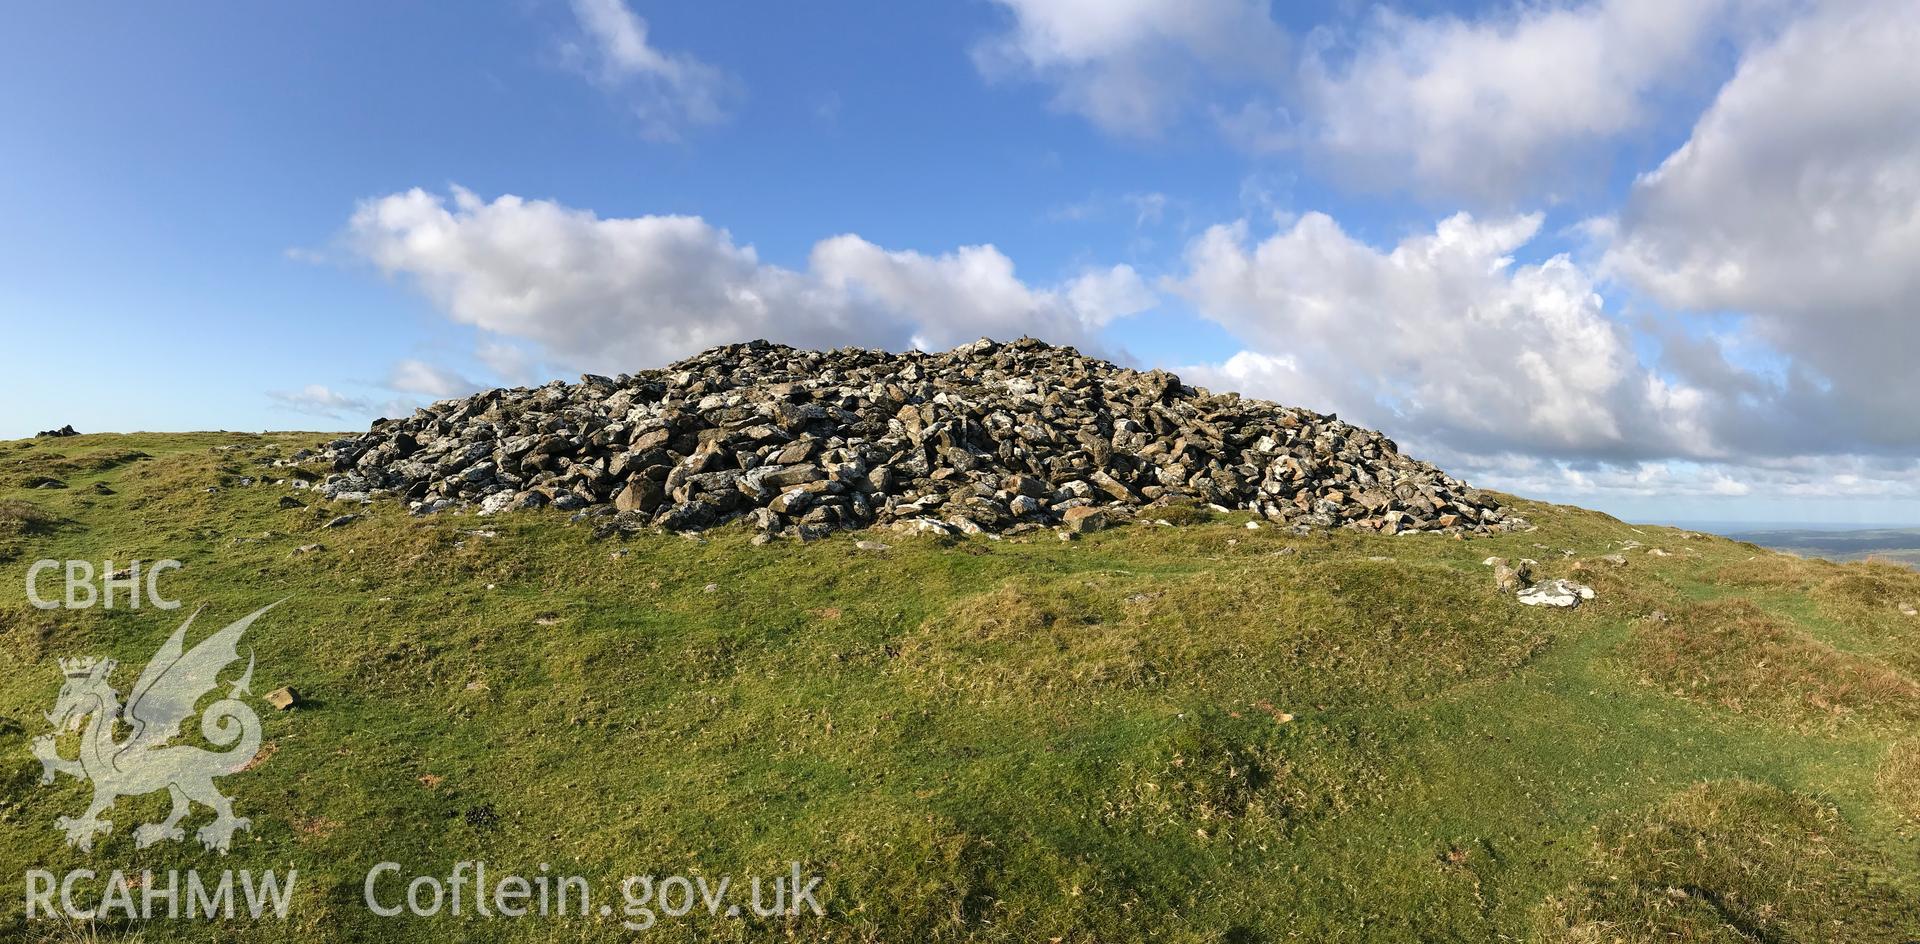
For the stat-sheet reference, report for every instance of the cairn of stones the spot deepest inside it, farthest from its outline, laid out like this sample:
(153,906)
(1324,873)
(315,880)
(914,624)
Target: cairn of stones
(988,437)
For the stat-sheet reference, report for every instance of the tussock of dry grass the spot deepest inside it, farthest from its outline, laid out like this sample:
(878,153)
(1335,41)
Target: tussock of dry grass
(1312,629)
(1326,625)
(1898,780)
(1869,598)
(20,520)
(83,932)
(1770,571)
(1209,770)
(1870,592)
(1733,654)
(1021,637)
(30,465)
(1731,862)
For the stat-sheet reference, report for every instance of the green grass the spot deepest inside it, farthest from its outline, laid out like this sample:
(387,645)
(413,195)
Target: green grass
(1732,861)
(1200,733)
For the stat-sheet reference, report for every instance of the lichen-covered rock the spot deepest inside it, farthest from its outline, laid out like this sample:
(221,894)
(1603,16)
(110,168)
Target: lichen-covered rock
(988,437)
(1564,594)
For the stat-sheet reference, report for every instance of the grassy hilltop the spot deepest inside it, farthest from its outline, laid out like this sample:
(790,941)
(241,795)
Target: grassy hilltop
(1200,733)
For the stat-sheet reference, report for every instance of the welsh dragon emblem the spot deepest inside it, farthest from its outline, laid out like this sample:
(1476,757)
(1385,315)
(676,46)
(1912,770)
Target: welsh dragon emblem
(143,761)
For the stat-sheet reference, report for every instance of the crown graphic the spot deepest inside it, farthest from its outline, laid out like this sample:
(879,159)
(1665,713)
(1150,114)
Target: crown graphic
(80,668)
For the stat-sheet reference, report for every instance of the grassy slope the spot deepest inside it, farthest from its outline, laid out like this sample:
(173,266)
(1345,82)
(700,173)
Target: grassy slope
(1016,740)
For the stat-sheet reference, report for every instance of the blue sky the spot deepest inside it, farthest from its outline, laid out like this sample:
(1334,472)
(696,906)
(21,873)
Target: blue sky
(210,218)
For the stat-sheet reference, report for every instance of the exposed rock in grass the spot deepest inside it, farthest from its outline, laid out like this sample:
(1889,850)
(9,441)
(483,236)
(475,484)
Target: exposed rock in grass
(991,438)
(60,433)
(1084,520)
(1562,594)
(1510,578)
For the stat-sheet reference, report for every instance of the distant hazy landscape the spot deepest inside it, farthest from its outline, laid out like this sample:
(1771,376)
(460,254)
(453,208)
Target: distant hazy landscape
(1898,545)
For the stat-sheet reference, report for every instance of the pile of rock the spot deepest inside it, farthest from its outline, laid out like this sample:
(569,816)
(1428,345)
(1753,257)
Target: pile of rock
(986,437)
(60,433)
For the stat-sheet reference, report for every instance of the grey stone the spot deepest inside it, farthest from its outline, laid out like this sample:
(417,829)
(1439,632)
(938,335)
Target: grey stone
(999,437)
(1559,593)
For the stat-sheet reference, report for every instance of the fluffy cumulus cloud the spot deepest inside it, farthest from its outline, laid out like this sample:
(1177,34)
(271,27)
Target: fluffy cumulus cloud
(1490,109)
(625,293)
(1443,334)
(665,91)
(1129,65)
(1796,203)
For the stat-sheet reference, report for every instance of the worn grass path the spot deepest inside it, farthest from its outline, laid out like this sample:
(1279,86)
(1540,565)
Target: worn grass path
(1194,733)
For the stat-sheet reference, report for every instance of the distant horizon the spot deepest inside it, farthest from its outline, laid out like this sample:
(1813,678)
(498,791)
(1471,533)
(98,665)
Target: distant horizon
(1729,528)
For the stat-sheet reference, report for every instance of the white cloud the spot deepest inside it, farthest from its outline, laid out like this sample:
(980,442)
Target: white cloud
(621,294)
(320,400)
(420,377)
(973,292)
(1770,482)
(511,362)
(1492,109)
(666,91)
(1099,296)
(1127,65)
(1443,334)
(1277,377)
(1489,109)
(1797,202)
(1148,208)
